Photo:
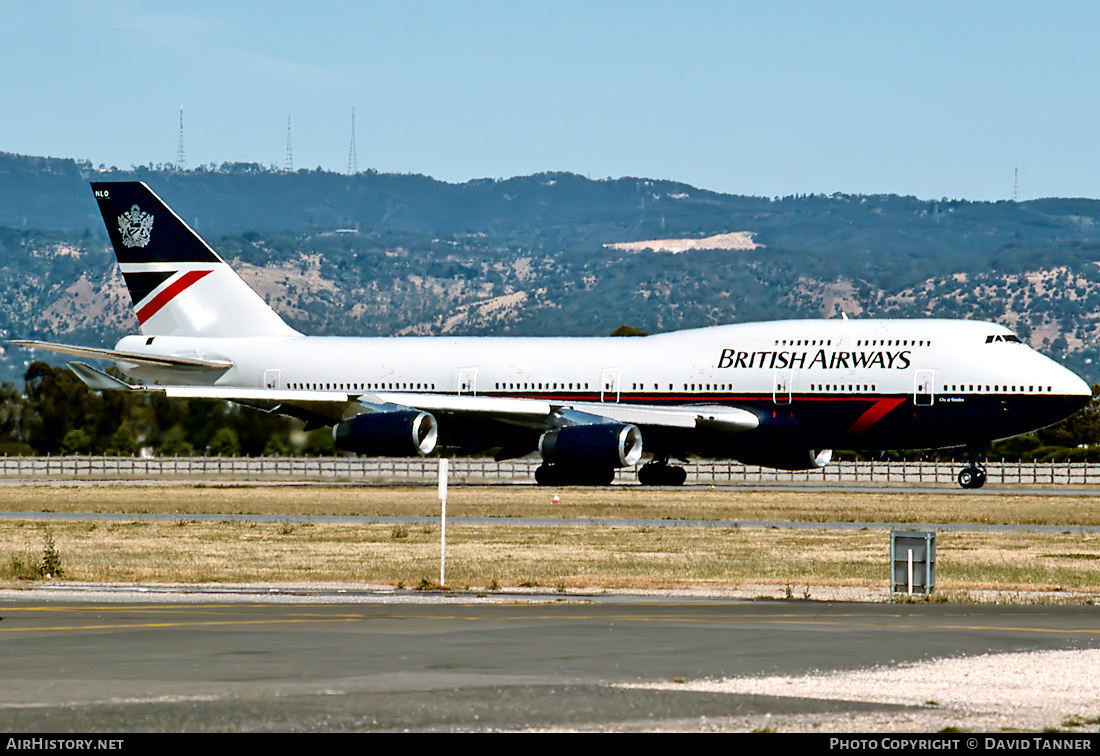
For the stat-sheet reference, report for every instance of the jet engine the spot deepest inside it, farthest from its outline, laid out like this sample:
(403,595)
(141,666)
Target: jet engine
(787,459)
(603,445)
(406,433)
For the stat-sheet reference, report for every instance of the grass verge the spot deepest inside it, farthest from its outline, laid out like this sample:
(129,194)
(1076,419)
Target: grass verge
(505,554)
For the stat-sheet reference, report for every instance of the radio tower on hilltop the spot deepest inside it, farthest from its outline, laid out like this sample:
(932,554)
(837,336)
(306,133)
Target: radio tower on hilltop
(289,166)
(353,163)
(181,159)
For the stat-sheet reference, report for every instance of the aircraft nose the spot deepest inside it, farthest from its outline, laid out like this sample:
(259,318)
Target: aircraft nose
(1077,393)
(1066,393)
(1082,391)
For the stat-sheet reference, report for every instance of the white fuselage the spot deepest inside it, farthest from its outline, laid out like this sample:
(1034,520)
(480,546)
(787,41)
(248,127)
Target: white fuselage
(814,356)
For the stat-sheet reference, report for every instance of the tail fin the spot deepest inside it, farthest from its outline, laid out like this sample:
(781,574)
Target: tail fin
(179,285)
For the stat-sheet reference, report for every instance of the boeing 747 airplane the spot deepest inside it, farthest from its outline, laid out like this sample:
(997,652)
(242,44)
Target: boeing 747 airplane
(778,394)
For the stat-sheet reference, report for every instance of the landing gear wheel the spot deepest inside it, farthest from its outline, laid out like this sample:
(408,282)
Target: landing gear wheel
(660,473)
(972,477)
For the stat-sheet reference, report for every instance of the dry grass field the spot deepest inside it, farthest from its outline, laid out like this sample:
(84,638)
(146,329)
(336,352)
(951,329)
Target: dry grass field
(554,556)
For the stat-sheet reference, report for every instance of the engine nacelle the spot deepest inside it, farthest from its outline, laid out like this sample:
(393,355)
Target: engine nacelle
(788,459)
(598,446)
(407,433)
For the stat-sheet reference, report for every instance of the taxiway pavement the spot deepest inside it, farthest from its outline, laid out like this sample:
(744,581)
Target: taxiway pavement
(144,660)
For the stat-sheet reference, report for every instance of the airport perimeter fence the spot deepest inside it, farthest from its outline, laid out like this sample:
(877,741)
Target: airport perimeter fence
(479,471)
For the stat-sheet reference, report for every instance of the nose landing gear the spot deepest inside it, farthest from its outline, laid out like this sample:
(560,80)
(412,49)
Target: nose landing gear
(973,475)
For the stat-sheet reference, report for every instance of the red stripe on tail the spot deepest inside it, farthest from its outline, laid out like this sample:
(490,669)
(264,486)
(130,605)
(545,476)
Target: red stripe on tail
(169,293)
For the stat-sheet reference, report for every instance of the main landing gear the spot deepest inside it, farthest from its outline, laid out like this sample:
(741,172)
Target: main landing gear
(565,475)
(973,475)
(660,473)
(655,473)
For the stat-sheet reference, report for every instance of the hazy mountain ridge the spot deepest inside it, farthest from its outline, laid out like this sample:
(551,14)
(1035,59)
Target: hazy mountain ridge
(389,254)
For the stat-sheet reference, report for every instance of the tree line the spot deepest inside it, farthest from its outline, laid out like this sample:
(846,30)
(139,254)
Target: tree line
(56,413)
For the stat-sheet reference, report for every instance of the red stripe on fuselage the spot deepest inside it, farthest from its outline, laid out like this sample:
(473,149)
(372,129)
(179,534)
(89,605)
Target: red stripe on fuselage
(169,293)
(874,413)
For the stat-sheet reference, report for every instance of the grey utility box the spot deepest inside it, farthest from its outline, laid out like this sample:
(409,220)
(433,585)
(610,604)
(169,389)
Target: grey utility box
(912,561)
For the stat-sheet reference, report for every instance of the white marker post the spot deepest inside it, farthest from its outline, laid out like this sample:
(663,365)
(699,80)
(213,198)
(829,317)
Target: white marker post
(910,571)
(442,520)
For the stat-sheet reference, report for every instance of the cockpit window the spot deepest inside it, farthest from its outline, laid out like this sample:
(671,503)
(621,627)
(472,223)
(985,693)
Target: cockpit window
(1003,337)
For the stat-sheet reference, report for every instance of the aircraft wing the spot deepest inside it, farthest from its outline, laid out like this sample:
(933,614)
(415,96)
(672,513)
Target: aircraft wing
(333,406)
(683,416)
(547,414)
(637,414)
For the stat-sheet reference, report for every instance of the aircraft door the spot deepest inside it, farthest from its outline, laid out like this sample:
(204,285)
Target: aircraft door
(609,385)
(467,381)
(924,388)
(781,393)
(271,378)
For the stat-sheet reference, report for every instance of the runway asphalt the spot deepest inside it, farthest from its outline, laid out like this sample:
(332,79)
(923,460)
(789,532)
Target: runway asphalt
(350,659)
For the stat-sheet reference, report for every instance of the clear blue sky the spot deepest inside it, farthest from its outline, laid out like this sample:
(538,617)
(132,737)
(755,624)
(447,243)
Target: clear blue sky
(933,99)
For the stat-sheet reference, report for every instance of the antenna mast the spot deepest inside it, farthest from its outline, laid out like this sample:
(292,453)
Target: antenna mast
(353,164)
(289,165)
(181,159)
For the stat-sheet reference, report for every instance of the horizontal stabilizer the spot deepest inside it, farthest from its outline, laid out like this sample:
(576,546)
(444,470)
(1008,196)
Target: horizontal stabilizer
(132,357)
